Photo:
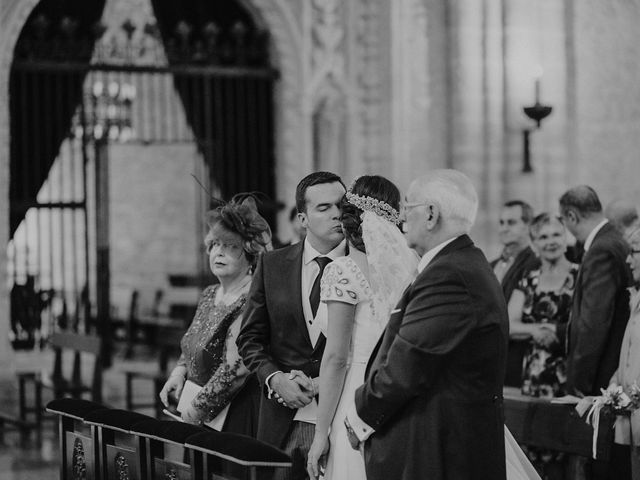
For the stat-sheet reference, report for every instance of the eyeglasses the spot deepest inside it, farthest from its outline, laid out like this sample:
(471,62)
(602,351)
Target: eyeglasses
(631,252)
(232,249)
(412,205)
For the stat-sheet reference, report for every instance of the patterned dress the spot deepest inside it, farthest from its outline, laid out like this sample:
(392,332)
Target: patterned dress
(343,281)
(544,368)
(212,361)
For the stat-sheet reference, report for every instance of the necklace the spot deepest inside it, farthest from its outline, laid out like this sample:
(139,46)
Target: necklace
(223,296)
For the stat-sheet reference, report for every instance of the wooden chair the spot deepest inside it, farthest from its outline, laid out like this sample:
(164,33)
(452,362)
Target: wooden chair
(8,421)
(68,348)
(169,347)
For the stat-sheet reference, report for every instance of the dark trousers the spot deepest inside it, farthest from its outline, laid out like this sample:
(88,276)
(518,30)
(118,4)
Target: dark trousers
(297,445)
(618,467)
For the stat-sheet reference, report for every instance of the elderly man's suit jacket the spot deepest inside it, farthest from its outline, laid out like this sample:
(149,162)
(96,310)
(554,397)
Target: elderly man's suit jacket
(433,389)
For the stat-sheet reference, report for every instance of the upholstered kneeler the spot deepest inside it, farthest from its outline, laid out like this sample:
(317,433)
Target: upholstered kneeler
(122,453)
(166,453)
(234,450)
(79,447)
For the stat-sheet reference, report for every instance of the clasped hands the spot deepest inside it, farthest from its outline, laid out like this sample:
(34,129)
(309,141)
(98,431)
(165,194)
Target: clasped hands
(294,389)
(545,335)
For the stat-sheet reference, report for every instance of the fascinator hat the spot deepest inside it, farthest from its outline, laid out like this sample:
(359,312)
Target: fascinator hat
(240,216)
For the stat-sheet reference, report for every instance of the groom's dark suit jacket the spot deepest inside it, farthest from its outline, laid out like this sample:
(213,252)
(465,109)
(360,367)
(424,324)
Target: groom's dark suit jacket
(274,334)
(433,389)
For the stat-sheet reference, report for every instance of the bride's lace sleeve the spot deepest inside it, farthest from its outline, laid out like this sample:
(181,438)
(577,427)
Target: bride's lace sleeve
(340,282)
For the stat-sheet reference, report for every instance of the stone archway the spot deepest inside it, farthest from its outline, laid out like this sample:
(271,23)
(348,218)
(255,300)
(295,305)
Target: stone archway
(275,17)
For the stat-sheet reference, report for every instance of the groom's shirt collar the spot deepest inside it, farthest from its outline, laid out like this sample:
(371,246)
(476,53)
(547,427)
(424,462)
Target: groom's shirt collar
(427,257)
(309,253)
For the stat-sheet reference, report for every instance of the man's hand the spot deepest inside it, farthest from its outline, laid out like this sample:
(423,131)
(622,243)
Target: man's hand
(306,383)
(290,391)
(354,441)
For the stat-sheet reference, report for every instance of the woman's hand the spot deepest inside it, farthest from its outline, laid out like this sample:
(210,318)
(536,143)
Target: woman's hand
(192,415)
(317,457)
(545,335)
(174,384)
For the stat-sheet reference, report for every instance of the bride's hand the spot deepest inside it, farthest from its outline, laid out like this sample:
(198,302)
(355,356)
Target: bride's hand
(317,457)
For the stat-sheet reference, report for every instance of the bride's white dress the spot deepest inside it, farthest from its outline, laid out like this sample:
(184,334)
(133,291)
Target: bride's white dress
(391,267)
(343,281)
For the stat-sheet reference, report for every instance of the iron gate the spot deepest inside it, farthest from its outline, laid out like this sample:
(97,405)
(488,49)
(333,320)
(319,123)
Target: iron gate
(74,92)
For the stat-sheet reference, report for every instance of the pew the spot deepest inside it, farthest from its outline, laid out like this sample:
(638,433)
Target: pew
(79,445)
(100,443)
(243,456)
(120,451)
(167,456)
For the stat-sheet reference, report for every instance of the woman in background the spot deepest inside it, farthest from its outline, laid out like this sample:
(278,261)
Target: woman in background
(229,397)
(627,428)
(540,302)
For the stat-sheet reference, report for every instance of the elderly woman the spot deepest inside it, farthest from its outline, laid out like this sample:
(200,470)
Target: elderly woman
(627,428)
(237,236)
(541,302)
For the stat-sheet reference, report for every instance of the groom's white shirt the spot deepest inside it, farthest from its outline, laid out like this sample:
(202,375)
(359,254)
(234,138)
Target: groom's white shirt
(360,427)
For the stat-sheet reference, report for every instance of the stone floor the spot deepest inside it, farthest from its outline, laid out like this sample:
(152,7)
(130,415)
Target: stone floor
(38,458)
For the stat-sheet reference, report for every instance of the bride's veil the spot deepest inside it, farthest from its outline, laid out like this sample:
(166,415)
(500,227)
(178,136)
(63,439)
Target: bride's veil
(392,264)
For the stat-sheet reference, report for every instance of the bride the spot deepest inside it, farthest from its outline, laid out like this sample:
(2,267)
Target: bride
(358,293)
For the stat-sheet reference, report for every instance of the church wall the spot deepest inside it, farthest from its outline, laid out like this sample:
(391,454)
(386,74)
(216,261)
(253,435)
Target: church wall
(607,98)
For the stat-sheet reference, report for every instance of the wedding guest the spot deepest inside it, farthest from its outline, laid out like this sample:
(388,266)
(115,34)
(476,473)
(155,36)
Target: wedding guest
(229,396)
(279,333)
(627,429)
(623,215)
(517,257)
(540,302)
(600,307)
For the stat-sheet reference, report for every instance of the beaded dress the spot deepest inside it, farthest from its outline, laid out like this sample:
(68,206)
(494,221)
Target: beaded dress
(210,355)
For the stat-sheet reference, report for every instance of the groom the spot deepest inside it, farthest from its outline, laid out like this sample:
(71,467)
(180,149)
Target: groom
(431,405)
(278,333)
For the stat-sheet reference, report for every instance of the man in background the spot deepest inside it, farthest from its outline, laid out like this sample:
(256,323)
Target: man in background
(517,257)
(600,308)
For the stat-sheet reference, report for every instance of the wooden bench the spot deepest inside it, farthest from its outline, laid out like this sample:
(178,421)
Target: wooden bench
(68,348)
(538,422)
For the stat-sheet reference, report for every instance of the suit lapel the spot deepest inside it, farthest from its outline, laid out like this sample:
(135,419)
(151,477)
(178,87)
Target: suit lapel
(294,284)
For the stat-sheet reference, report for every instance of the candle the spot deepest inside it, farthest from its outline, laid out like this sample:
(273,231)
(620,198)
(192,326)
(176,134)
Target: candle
(538,77)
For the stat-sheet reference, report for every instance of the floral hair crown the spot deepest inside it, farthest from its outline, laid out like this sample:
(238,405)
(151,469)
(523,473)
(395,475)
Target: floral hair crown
(370,204)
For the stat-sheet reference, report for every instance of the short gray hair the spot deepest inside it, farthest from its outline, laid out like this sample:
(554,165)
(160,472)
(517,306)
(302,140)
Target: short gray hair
(454,194)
